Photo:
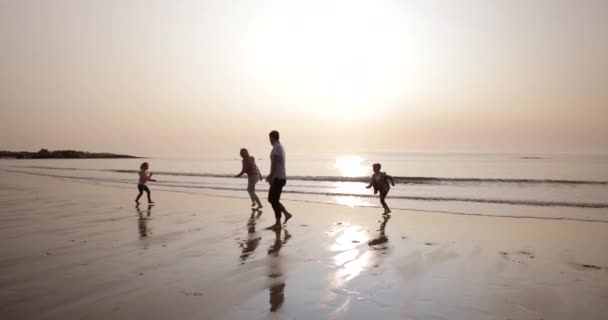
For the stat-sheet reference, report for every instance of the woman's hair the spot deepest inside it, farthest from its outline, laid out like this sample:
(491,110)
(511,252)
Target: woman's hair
(143,165)
(244,153)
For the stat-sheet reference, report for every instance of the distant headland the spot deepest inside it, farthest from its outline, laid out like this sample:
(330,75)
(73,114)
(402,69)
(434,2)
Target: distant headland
(62,154)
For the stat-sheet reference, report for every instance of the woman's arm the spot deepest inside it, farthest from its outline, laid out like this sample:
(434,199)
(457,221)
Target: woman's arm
(242,170)
(240,173)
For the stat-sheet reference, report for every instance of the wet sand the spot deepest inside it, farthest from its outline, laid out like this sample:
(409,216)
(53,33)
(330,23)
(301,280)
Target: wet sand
(78,251)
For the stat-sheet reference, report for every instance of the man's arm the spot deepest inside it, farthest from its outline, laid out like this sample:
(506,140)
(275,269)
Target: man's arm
(273,168)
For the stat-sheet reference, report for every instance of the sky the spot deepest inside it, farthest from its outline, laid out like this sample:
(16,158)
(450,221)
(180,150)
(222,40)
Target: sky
(203,78)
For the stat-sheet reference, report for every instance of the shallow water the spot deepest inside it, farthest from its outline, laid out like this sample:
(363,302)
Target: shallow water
(539,186)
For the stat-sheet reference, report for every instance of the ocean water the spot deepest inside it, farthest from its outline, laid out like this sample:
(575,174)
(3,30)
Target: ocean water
(570,187)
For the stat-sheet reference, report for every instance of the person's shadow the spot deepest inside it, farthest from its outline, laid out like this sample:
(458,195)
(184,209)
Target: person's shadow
(253,240)
(142,221)
(277,279)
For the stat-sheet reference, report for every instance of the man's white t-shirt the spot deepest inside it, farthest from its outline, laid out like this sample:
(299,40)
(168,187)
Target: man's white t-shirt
(279,153)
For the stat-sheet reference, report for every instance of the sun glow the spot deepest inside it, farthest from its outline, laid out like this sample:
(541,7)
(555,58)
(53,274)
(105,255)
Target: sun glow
(351,166)
(339,59)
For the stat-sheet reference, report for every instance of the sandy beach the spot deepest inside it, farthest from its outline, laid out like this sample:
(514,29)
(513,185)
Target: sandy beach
(71,250)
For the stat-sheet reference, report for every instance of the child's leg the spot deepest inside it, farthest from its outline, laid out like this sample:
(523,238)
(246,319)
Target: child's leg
(141,191)
(384,205)
(148,193)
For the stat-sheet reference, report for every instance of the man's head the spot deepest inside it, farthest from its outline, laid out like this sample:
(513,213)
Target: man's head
(273,136)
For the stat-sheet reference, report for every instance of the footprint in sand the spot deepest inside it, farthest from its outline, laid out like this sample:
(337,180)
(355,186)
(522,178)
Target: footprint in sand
(517,257)
(583,266)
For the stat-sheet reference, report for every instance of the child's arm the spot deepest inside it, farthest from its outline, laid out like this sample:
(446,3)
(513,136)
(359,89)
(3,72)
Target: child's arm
(150,177)
(391,179)
(371,183)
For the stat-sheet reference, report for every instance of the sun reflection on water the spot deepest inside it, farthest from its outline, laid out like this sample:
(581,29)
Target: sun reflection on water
(351,166)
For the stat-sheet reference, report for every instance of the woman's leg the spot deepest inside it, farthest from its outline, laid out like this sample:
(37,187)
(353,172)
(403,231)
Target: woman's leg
(251,189)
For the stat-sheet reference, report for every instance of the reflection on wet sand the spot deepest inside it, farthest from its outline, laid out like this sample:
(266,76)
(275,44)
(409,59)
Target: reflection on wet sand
(351,259)
(142,221)
(253,240)
(381,241)
(276,276)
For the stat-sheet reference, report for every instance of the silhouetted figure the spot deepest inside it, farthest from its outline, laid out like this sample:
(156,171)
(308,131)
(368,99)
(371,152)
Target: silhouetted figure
(277,289)
(253,176)
(144,177)
(277,179)
(380,183)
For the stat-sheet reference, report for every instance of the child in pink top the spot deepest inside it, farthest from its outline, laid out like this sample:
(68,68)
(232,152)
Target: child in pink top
(144,177)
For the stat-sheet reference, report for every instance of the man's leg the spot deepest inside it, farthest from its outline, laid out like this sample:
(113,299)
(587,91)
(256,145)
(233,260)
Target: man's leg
(273,198)
(281,184)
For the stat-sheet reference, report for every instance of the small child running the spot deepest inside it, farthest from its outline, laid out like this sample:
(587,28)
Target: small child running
(144,177)
(380,183)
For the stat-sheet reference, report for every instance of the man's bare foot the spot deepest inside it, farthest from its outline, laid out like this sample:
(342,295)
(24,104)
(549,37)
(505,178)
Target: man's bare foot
(276,226)
(287,216)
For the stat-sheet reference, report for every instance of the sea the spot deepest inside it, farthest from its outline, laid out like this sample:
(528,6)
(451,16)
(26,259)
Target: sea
(557,187)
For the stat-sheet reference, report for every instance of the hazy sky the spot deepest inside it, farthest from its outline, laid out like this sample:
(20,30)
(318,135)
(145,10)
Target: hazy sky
(202,77)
